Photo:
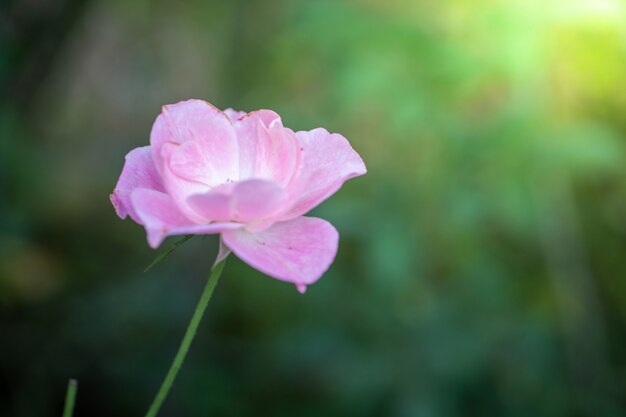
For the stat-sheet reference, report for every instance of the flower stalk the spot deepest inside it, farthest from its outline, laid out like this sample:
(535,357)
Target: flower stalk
(70,398)
(187,339)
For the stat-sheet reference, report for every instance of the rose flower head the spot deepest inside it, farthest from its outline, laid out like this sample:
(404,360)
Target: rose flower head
(244,176)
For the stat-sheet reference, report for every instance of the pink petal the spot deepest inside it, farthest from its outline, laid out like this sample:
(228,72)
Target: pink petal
(192,162)
(255,200)
(247,134)
(215,148)
(327,161)
(277,153)
(234,115)
(138,172)
(247,201)
(213,205)
(161,218)
(297,251)
(179,188)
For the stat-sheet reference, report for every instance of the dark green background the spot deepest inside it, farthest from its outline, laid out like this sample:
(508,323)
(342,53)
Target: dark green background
(482,261)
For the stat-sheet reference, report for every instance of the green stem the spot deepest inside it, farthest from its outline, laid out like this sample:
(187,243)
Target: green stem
(187,339)
(70,398)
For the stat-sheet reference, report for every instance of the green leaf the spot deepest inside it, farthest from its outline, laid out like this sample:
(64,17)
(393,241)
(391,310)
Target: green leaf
(167,252)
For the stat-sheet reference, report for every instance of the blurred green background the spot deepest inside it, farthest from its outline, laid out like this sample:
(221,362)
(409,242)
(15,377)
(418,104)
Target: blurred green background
(482,262)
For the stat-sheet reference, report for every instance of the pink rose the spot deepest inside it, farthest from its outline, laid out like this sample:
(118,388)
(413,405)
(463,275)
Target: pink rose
(244,176)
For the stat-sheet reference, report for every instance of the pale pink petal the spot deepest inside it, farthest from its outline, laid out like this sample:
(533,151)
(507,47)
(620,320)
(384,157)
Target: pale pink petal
(213,205)
(327,161)
(215,148)
(247,134)
(255,200)
(138,172)
(247,201)
(234,115)
(191,161)
(277,153)
(179,188)
(297,251)
(161,218)
(265,116)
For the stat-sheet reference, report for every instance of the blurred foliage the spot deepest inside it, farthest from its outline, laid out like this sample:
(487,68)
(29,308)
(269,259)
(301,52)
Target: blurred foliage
(482,259)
